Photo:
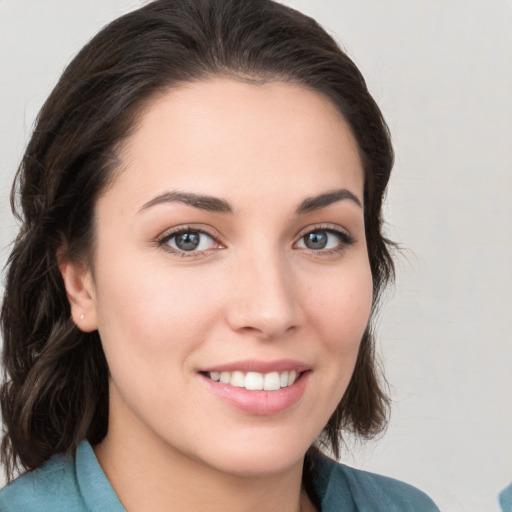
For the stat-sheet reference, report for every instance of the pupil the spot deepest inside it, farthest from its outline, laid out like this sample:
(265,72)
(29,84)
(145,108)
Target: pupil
(187,241)
(316,240)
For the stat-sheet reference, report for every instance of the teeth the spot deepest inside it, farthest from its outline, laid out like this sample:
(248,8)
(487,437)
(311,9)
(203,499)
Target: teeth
(292,377)
(255,381)
(237,379)
(271,381)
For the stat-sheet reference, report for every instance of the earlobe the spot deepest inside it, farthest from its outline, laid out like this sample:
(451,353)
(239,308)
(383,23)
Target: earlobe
(81,294)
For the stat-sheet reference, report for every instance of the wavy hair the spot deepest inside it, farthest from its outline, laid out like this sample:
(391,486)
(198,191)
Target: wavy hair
(55,388)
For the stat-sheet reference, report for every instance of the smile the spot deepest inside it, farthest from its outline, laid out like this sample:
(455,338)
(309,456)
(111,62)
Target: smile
(255,381)
(258,387)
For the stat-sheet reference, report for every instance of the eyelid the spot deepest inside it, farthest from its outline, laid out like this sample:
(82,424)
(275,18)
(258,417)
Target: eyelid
(346,238)
(325,226)
(162,240)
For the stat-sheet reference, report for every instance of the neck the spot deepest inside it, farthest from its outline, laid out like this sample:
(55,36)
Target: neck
(155,477)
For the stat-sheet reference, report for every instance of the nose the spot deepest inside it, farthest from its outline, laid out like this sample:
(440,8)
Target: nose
(265,302)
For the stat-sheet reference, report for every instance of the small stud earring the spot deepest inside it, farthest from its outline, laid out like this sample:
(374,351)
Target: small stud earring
(82,317)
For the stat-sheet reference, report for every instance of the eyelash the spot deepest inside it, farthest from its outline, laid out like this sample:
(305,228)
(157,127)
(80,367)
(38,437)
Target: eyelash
(164,240)
(345,240)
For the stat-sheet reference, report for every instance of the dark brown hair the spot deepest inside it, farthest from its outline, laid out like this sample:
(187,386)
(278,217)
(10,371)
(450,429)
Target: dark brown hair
(55,391)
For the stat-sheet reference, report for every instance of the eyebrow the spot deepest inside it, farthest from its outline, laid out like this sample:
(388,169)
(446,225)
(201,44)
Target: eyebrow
(215,204)
(321,201)
(201,201)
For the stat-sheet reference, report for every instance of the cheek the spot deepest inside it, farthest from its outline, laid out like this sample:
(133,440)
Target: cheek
(342,308)
(342,317)
(150,324)
(152,317)
(339,311)
(152,310)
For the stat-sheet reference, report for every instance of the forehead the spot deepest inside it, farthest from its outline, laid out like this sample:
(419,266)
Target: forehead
(228,137)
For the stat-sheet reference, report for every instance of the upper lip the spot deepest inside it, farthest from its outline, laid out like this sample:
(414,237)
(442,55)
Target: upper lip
(254,365)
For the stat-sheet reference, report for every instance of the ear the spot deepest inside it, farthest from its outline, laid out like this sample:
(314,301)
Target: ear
(80,291)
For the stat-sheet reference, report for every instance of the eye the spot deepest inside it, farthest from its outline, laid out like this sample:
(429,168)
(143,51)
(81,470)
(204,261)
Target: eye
(189,241)
(323,239)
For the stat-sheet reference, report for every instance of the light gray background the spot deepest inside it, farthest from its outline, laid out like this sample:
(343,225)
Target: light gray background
(442,72)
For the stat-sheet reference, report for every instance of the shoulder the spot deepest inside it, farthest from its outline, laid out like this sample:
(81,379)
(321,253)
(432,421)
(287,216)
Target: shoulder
(368,492)
(377,489)
(37,490)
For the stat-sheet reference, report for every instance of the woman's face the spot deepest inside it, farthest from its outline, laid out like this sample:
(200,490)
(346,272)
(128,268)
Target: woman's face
(231,246)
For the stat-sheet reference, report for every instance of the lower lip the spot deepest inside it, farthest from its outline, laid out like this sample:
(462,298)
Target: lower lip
(261,403)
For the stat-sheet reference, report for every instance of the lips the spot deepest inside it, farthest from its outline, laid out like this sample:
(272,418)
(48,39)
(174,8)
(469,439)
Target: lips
(259,387)
(256,381)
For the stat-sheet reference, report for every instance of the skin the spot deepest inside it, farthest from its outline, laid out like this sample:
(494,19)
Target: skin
(253,291)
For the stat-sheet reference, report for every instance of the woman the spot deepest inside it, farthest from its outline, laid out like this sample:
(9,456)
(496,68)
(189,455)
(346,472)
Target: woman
(187,307)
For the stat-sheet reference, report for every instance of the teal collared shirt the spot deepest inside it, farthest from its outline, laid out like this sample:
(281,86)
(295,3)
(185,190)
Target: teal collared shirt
(68,483)
(65,483)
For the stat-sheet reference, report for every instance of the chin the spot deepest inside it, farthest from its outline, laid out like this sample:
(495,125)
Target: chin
(261,457)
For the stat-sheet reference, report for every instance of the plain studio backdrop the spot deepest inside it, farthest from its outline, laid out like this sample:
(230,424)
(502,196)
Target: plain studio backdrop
(441,70)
